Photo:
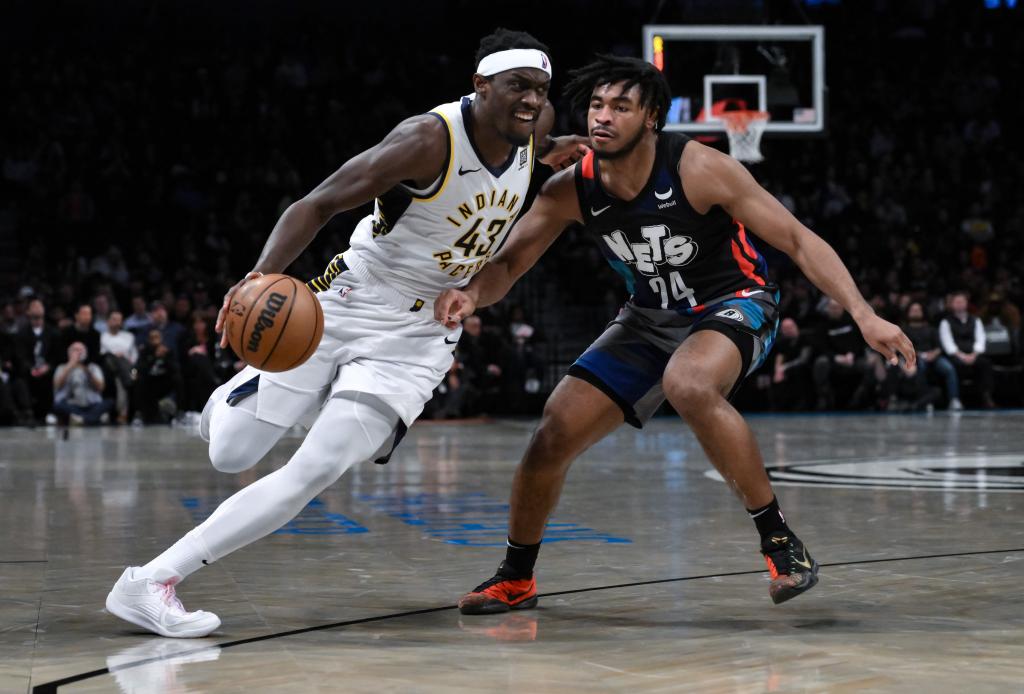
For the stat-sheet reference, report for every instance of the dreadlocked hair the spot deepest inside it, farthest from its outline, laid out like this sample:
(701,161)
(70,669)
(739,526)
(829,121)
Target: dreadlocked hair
(612,69)
(505,39)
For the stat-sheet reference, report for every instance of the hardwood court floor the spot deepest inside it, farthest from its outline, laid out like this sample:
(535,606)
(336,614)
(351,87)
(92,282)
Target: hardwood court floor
(651,571)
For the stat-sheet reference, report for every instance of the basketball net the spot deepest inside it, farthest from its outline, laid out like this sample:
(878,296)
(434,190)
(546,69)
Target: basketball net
(745,129)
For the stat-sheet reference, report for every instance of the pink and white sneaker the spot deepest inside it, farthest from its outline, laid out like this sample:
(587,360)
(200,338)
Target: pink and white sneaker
(154,606)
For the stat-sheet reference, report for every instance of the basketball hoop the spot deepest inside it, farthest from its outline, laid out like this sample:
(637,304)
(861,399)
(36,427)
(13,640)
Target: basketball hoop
(745,129)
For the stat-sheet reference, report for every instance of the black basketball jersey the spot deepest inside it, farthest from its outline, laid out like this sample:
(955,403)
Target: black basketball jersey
(671,256)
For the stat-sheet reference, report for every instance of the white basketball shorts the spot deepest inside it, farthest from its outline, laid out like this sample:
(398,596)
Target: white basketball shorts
(376,340)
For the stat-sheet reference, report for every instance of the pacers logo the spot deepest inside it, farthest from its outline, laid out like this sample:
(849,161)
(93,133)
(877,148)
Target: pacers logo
(968,473)
(275,302)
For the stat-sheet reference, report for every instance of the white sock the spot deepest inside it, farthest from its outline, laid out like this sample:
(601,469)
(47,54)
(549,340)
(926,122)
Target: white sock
(182,558)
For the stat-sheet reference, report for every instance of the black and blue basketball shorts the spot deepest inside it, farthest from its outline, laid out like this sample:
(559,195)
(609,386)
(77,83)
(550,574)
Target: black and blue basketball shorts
(628,360)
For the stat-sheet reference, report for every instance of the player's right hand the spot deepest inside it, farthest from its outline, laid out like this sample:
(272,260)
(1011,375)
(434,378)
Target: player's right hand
(223,314)
(452,306)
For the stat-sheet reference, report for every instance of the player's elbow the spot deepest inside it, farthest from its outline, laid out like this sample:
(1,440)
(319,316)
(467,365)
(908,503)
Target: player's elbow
(801,244)
(315,207)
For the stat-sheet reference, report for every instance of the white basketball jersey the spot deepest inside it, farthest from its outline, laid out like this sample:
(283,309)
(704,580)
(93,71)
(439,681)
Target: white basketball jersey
(421,242)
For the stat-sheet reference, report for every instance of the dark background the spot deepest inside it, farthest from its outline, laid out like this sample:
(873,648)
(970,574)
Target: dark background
(163,140)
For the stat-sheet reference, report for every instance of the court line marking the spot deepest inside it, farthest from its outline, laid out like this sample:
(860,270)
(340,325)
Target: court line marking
(51,687)
(24,561)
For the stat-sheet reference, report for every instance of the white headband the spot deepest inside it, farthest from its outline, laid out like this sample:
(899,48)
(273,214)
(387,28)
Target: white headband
(513,58)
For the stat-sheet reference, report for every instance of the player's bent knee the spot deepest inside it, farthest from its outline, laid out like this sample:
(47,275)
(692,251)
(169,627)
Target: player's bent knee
(550,446)
(690,396)
(228,456)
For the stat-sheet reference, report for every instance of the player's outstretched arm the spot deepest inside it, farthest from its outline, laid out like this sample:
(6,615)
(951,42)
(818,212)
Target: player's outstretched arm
(712,178)
(555,208)
(415,150)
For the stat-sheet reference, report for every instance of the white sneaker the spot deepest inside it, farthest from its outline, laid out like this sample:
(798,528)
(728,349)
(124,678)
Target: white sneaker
(153,606)
(955,405)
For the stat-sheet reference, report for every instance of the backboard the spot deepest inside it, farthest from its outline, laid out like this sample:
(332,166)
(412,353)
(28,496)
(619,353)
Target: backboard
(778,69)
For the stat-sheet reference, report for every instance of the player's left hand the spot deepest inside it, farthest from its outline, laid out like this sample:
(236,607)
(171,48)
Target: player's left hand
(888,340)
(452,306)
(566,151)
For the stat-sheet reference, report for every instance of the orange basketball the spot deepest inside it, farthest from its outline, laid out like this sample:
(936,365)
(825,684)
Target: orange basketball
(274,323)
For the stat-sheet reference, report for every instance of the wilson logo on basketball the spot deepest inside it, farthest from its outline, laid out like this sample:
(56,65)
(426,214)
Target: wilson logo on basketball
(275,302)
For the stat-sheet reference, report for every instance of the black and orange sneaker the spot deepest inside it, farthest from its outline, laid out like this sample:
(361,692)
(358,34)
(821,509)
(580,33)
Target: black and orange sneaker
(505,591)
(793,570)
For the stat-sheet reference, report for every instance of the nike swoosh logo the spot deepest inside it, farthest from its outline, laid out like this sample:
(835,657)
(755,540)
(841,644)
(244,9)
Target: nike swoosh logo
(463,172)
(664,196)
(594,213)
(747,292)
(449,342)
(806,564)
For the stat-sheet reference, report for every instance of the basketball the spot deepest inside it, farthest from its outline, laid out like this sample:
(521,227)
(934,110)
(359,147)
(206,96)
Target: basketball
(274,323)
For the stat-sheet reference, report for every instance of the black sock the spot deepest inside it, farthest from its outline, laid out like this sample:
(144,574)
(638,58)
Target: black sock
(521,558)
(769,519)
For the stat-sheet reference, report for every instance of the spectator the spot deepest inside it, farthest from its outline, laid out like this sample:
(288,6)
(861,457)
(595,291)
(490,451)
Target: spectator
(522,368)
(200,377)
(481,355)
(963,340)
(82,331)
(182,311)
(15,403)
(100,312)
(906,389)
(930,359)
(843,363)
(119,355)
(37,353)
(454,397)
(170,331)
(8,319)
(139,322)
(78,388)
(791,378)
(158,387)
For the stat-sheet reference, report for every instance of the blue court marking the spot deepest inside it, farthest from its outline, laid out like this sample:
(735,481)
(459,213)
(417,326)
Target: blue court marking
(472,519)
(313,520)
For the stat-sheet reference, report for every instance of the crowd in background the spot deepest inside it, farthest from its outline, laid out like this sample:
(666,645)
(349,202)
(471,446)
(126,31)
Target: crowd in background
(139,179)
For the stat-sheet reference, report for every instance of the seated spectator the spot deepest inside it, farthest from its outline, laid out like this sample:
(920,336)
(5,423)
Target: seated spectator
(117,348)
(200,377)
(522,369)
(139,322)
(171,332)
(963,340)
(906,389)
(843,362)
(791,377)
(37,353)
(100,312)
(78,388)
(15,403)
(455,397)
(158,383)
(930,359)
(182,311)
(481,354)
(1001,321)
(82,330)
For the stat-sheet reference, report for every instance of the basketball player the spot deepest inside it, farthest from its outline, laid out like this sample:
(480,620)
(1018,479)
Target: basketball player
(672,217)
(447,187)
